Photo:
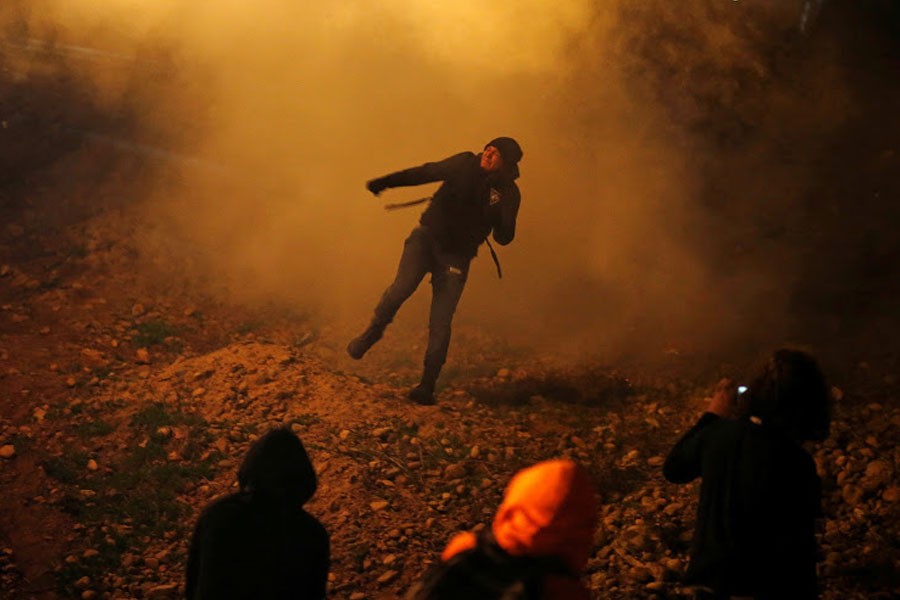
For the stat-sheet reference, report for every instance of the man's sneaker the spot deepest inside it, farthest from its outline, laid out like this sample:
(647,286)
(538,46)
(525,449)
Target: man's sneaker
(422,394)
(358,346)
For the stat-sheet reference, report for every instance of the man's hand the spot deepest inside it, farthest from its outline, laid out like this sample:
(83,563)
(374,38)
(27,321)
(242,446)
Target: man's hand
(376,186)
(724,401)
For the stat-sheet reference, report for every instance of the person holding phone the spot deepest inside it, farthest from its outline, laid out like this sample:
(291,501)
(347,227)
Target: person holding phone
(760,494)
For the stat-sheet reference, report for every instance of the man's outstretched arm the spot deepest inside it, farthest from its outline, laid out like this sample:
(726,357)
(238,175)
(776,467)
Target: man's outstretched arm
(427,173)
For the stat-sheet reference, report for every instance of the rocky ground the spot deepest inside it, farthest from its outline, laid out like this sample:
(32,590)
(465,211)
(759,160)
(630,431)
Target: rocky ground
(127,404)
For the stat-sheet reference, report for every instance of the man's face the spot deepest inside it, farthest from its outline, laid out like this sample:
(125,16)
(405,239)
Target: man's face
(491,161)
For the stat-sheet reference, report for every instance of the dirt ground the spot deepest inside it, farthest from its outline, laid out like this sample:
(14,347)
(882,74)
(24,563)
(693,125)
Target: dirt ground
(128,397)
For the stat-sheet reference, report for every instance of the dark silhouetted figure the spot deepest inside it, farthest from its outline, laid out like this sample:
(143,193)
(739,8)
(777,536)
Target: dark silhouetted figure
(536,548)
(259,544)
(478,196)
(760,495)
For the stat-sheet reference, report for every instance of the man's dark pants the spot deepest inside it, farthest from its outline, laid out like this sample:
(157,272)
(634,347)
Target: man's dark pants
(421,255)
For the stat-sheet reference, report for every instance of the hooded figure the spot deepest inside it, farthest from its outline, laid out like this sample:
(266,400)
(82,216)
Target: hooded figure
(537,546)
(478,197)
(760,494)
(259,543)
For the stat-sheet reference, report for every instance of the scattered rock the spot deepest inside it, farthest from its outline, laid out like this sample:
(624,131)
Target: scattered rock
(381,432)
(455,471)
(168,590)
(387,577)
(877,474)
(7,451)
(673,508)
(93,357)
(852,494)
(891,494)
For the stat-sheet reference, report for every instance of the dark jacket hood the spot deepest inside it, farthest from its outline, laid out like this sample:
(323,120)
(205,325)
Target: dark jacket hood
(278,467)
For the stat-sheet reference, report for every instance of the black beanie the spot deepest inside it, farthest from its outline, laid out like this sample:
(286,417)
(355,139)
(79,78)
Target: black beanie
(510,151)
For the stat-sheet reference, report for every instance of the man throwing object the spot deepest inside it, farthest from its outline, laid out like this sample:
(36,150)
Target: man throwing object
(478,197)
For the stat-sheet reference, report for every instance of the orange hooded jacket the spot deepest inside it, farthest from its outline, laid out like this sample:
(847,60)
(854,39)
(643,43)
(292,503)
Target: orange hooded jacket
(549,509)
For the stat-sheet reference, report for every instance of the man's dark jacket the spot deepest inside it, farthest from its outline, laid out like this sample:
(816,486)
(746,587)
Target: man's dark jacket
(469,204)
(759,499)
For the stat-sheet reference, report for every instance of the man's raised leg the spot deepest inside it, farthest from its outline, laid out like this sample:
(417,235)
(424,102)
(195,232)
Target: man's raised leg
(414,263)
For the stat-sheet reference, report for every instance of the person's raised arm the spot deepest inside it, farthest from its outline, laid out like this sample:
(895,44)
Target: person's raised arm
(427,173)
(683,464)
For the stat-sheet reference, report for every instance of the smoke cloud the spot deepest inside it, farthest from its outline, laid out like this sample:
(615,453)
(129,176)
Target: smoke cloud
(655,144)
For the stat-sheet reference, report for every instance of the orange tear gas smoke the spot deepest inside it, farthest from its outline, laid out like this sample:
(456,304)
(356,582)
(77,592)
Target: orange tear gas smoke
(296,106)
